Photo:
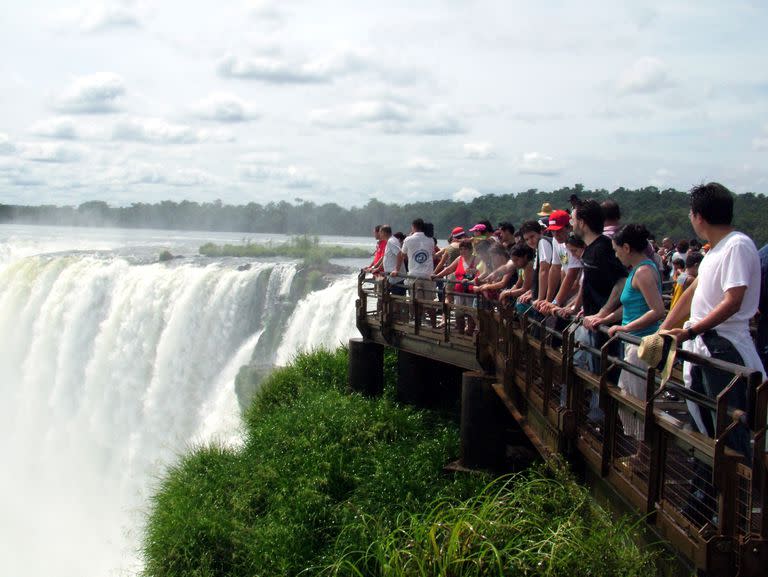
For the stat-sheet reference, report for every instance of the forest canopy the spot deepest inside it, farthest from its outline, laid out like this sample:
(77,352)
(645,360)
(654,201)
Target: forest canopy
(664,212)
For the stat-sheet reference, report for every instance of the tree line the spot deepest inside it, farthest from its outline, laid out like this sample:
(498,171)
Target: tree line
(664,212)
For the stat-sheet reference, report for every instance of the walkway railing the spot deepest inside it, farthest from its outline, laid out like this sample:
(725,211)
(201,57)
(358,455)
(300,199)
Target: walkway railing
(704,497)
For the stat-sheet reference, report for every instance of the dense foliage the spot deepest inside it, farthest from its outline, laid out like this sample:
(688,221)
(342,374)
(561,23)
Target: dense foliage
(663,211)
(333,483)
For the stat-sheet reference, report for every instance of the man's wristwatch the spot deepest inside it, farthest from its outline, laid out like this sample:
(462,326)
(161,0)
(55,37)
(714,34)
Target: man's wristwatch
(691,333)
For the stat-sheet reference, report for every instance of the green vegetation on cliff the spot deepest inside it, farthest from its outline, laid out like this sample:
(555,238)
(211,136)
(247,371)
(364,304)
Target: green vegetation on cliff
(330,483)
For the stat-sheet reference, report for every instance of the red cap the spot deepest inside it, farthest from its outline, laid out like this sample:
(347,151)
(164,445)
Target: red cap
(559,219)
(458,231)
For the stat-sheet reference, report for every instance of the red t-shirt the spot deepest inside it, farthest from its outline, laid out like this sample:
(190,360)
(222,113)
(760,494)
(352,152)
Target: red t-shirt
(380,247)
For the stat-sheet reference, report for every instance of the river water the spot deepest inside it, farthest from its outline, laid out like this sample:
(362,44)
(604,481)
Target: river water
(112,364)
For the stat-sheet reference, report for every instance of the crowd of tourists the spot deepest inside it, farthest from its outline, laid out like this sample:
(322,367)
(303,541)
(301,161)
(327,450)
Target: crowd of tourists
(582,262)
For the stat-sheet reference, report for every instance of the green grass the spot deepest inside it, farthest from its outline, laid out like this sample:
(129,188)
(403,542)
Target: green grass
(330,483)
(536,523)
(303,247)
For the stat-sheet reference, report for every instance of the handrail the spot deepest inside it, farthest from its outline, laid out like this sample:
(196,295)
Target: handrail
(536,360)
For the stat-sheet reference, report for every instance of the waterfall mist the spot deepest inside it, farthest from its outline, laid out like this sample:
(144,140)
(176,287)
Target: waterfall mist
(108,371)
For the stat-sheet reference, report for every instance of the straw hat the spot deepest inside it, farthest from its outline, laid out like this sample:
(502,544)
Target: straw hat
(546,209)
(659,350)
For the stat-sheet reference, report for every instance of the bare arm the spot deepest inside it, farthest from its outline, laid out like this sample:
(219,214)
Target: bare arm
(443,257)
(611,305)
(553,281)
(567,285)
(646,281)
(496,285)
(449,269)
(614,299)
(544,271)
(400,260)
(682,308)
(728,307)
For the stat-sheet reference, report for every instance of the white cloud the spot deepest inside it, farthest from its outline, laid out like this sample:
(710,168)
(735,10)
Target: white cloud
(277,69)
(439,123)
(478,150)
(154,130)
(466,194)
(289,176)
(661,177)
(16,173)
(421,164)
(191,177)
(223,107)
(148,173)
(539,164)
(61,127)
(97,17)
(760,143)
(266,9)
(391,116)
(6,146)
(53,152)
(95,93)
(644,76)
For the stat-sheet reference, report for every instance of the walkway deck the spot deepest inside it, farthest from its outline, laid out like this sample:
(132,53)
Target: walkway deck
(704,498)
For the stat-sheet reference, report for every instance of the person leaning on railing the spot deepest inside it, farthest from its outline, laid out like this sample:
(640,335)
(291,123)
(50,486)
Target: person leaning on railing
(379,252)
(640,312)
(464,270)
(721,301)
(521,257)
(531,231)
(503,275)
(564,269)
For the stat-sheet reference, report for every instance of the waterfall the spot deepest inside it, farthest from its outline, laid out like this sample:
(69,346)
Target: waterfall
(325,318)
(108,371)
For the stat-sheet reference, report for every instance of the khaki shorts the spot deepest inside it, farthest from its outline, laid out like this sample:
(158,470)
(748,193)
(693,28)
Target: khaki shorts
(423,290)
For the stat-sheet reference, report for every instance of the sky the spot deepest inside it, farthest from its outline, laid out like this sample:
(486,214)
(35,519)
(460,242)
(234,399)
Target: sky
(344,101)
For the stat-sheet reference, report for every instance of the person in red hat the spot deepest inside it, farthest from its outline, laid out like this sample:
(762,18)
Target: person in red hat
(564,267)
(450,253)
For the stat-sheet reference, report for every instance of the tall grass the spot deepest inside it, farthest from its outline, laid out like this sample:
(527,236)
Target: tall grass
(537,523)
(330,483)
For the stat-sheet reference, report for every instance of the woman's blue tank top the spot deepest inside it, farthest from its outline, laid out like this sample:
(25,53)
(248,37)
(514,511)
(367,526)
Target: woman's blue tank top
(634,303)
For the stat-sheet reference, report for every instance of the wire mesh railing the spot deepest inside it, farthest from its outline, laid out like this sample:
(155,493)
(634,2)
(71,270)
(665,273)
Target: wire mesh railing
(696,488)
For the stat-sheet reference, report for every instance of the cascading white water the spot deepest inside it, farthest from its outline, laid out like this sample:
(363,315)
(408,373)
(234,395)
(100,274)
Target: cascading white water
(325,318)
(108,370)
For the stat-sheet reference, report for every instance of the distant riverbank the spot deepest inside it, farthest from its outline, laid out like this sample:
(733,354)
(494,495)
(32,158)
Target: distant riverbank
(307,248)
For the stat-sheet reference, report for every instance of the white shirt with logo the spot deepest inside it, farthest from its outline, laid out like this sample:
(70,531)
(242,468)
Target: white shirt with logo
(419,249)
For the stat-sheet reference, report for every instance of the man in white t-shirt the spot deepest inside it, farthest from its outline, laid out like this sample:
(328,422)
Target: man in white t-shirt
(564,268)
(419,249)
(531,231)
(721,301)
(389,260)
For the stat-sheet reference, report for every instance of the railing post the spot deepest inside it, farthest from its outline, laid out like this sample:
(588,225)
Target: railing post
(656,447)
(609,410)
(482,423)
(446,317)
(366,367)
